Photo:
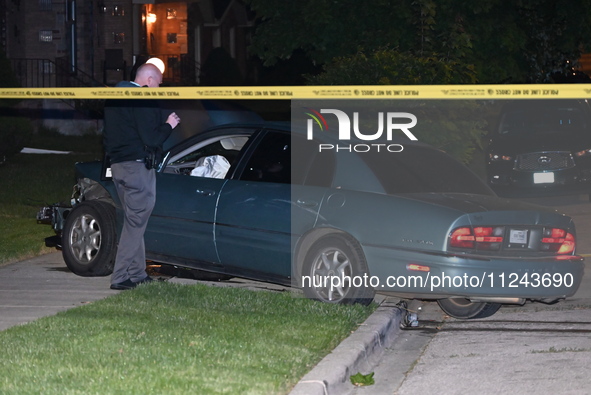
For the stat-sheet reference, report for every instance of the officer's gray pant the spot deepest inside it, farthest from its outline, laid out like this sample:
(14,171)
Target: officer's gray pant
(136,188)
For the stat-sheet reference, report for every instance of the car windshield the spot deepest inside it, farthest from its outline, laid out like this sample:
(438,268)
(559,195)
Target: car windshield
(423,170)
(546,121)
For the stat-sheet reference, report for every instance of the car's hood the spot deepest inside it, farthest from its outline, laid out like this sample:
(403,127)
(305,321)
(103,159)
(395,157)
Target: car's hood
(573,142)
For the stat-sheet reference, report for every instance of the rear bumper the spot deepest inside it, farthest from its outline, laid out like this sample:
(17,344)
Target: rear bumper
(509,182)
(433,276)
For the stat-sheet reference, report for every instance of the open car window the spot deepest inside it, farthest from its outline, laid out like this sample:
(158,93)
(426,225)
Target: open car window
(209,158)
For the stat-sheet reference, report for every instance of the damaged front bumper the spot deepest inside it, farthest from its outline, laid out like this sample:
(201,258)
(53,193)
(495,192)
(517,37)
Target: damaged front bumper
(54,215)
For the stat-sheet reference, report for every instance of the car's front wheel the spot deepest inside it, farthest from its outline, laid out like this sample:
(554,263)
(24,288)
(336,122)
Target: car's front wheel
(334,270)
(89,239)
(464,309)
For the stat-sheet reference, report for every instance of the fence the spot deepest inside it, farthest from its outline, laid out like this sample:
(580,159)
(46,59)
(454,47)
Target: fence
(45,73)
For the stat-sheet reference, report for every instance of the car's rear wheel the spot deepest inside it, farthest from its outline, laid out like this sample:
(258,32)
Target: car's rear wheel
(334,270)
(464,309)
(89,239)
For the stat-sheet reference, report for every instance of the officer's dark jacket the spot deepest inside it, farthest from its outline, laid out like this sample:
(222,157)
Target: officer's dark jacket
(131,126)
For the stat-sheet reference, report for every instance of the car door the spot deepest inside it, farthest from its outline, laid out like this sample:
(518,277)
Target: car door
(254,229)
(182,224)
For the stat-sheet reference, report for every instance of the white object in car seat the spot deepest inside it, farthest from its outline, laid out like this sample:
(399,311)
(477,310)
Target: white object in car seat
(215,166)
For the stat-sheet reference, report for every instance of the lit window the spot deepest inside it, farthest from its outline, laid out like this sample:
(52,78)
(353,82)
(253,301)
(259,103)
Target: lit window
(170,13)
(46,36)
(118,10)
(118,38)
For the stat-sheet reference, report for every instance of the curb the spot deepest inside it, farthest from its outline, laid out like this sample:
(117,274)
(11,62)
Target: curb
(357,353)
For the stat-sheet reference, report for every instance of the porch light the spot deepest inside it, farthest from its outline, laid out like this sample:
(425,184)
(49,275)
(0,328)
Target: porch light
(151,18)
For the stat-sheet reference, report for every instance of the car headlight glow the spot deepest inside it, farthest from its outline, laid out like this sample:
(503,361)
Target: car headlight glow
(585,152)
(497,157)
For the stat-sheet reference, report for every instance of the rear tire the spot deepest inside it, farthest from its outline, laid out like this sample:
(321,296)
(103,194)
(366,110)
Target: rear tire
(464,309)
(89,239)
(336,256)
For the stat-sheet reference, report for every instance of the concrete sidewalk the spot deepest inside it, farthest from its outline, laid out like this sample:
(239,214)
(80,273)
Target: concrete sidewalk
(44,286)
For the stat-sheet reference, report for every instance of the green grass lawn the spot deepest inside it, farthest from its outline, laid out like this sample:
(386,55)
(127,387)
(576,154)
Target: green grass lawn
(166,338)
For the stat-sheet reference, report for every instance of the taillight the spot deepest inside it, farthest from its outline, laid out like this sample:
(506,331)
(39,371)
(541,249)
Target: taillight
(462,238)
(490,238)
(558,241)
(481,237)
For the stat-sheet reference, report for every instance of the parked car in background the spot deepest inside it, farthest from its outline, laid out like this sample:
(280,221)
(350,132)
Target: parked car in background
(541,146)
(263,202)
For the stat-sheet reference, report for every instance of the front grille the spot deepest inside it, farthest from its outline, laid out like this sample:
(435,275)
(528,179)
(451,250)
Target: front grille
(536,161)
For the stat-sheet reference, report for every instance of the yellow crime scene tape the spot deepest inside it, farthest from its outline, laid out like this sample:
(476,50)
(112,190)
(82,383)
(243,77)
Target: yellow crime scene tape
(520,91)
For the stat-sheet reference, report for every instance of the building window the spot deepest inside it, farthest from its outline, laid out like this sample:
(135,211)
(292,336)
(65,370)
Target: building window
(46,36)
(118,10)
(171,38)
(45,5)
(118,38)
(171,13)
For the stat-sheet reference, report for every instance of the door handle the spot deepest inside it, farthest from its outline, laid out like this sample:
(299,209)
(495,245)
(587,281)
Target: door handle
(306,203)
(205,192)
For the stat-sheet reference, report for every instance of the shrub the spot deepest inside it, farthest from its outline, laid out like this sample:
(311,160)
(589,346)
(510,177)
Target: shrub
(456,127)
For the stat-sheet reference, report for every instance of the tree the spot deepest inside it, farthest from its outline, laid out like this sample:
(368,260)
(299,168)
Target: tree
(391,67)
(406,42)
(519,41)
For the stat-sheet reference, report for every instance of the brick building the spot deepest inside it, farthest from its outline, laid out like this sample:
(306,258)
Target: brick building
(98,42)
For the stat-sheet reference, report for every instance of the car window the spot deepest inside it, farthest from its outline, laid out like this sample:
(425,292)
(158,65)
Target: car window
(210,158)
(423,170)
(271,160)
(321,171)
(309,165)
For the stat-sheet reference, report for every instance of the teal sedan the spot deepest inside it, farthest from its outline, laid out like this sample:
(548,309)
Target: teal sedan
(266,203)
